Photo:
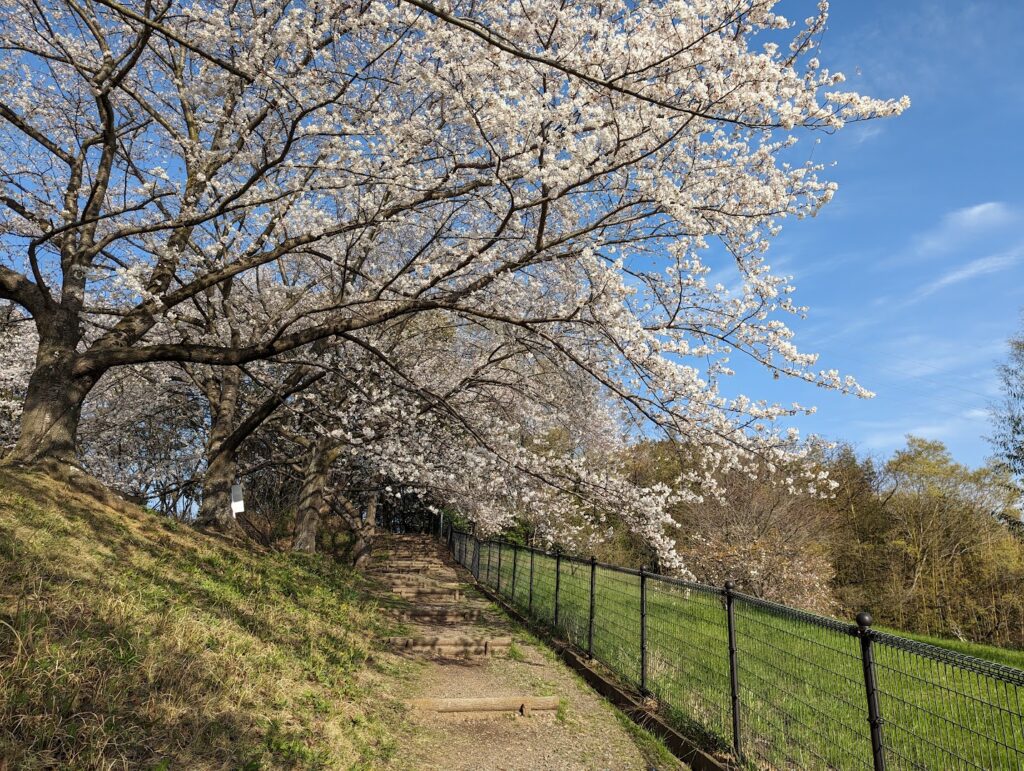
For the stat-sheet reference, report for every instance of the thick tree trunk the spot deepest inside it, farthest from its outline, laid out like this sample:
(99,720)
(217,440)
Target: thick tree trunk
(221,464)
(53,404)
(365,534)
(215,510)
(312,502)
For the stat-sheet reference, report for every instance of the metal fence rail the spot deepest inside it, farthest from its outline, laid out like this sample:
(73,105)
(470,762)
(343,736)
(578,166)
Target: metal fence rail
(775,687)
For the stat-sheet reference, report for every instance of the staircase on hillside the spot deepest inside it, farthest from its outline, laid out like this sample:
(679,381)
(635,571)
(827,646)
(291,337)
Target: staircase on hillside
(447,620)
(416,568)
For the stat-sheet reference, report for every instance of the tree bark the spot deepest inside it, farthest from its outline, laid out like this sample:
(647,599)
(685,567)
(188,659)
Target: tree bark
(53,401)
(365,534)
(215,510)
(221,466)
(312,501)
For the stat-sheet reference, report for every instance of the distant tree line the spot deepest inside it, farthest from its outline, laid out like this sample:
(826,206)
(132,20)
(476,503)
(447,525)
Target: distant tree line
(925,543)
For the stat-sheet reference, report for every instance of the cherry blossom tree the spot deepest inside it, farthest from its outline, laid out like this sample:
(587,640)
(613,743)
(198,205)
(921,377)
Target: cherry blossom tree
(18,342)
(143,433)
(566,172)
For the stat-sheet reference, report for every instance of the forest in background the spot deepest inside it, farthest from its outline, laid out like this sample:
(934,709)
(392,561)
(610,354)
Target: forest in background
(924,543)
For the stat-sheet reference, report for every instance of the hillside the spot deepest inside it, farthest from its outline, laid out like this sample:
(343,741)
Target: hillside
(129,641)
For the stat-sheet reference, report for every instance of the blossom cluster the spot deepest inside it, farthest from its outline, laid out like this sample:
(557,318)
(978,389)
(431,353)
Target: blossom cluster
(548,185)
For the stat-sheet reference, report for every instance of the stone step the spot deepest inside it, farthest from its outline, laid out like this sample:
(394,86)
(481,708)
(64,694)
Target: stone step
(424,583)
(440,615)
(419,580)
(522,705)
(402,575)
(399,568)
(418,557)
(402,566)
(429,595)
(451,646)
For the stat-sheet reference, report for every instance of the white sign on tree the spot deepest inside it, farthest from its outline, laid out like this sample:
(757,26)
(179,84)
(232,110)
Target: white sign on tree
(237,503)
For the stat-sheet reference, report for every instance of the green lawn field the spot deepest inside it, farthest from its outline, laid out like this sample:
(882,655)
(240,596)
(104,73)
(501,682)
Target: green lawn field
(944,704)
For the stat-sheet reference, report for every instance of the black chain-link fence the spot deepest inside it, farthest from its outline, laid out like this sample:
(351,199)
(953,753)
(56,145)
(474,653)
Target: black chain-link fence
(775,687)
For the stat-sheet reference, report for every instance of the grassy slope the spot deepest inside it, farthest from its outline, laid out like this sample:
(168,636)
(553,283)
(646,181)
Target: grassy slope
(1008,656)
(127,640)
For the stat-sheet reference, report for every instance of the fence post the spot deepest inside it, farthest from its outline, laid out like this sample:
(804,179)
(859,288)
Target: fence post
(558,582)
(515,562)
(488,579)
(643,631)
(476,557)
(593,588)
(499,567)
(530,606)
(867,655)
(734,674)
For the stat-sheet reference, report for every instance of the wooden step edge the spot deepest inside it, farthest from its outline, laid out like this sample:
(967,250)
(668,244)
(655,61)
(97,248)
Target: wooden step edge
(397,569)
(428,594)
(400,570)
(493,642)
(440,615)
(430,586)
(453,652)
(413,577)
(403,566)
(523,705)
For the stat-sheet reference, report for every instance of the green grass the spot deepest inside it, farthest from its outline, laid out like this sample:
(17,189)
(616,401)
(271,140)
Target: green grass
(657,755)
(128,641)
(803,702)
(514,653)
(562,713)
(1005,656)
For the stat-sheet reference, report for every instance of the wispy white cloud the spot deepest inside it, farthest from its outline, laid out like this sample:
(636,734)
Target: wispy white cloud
(919,355)
(981,215)
(865,132)
(970,422)
(967,223)
(982,266)
(885,307)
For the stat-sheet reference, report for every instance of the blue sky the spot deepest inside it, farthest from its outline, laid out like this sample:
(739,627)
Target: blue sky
(914,274)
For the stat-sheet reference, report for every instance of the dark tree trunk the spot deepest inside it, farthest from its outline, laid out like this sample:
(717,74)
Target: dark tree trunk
(215,510)
(365,533)
(221,461)
(312,501)
(53,402)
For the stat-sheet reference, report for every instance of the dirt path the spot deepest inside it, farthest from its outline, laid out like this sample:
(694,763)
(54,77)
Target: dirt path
(449,627)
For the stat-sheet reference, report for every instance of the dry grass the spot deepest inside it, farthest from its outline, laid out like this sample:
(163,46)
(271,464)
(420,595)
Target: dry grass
(129,641)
